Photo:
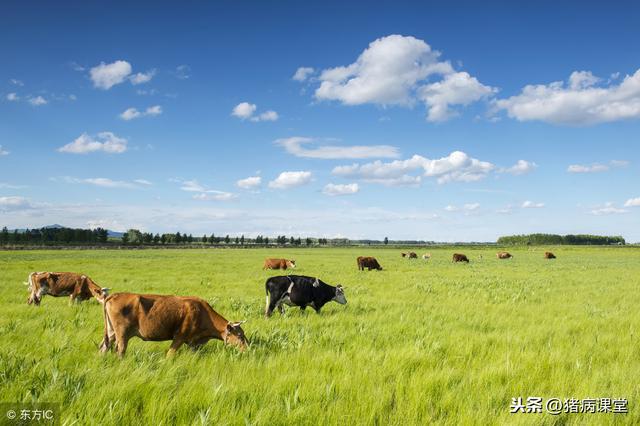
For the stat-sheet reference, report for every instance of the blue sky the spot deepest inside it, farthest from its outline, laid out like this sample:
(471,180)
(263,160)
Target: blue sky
(436,122)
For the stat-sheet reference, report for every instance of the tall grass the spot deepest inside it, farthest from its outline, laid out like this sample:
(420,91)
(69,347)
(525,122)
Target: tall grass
(418,343)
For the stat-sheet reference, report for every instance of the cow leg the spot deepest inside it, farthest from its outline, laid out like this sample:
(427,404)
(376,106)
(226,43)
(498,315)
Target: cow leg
(121,344)
(273,304)
(175,345)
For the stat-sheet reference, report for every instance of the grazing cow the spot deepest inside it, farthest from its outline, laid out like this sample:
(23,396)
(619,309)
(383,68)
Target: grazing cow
(549,255)
(403,254)
(426,256)
(412,255)
(457,257)
(503,255)
(369,263)
(185,320)
(297,290)
(279,264)
(57,284)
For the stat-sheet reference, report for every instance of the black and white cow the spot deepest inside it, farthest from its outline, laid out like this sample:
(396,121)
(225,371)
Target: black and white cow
(298,290)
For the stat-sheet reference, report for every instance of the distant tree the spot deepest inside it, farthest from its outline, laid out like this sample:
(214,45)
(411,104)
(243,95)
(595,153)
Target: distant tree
(4,236)
(227,240)
(386,241)
(156,239)
(242,240)
(212,239)
(163,239)
(266,241)
(204,239)
(125,238)
(237,240)
(178,238)
(308,241)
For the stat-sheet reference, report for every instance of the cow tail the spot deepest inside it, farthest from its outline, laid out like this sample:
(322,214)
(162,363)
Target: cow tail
(266,290)
(30,281)
(107,321)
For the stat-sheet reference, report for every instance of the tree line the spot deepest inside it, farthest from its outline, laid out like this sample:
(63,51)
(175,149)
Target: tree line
(54,236)
(554,239)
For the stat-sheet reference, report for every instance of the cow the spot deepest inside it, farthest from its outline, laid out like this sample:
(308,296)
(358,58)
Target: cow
(58,284)
(369,263)
(549,255)
(426,256)
(457,257)
(151,317)
(279,264)
(403,254)
(412,255)
(302,291)
(503,255)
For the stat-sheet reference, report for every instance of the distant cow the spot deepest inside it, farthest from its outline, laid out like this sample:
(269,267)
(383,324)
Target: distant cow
(279,264)
(426,256)
(412,255)
(297,290)
(369,263)
(503,255)
(549,255)
(58,284)
(457,257)
(185,320)
(403,254)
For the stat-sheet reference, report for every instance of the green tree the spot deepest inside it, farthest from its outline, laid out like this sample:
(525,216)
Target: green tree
(386,241)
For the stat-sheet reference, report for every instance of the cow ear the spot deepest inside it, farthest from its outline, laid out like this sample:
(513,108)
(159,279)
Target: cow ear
(105,290)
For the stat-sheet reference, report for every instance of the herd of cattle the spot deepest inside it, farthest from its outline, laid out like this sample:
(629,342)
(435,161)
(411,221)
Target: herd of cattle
(191,320)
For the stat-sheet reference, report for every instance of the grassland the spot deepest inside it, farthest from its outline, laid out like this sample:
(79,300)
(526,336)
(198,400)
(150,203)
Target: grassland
(418,343)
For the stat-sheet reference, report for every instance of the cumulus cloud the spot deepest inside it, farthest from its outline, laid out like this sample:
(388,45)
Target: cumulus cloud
(302,73)
(13,97)
(251,182)
(246,111)
(340,189)
(400,70)
(38,101)
(131,113)
(14,203)
(531,205)
(294,146)
(579,101)
(597,167)
(105,76)
(3,151)
(104,141)
(521,167)
(607,209)
(456,167)
(142,77)
(287,180)
(632,202)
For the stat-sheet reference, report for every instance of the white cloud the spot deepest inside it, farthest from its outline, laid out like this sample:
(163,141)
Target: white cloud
(340,189)
(14,203)
(288,180)
(451,208)
(246,110)
(294,146)
(456,167)
(302,73)
(37,101)
(131,113)
(3,151)
(143,182)
(632,202)
(104,182)
(471,206)
(250,182)
(521,167)
(455,89)
(182,72)
(399,70)
(607,209)
(531,205)
(212,195)
(16,82)
(597,167)
(13,97)
(142,77)
(104,141)
(105,76)
(581,101)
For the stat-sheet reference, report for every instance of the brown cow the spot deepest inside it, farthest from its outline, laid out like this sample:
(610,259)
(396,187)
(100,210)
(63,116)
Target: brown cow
(279,264)
(412,255)
(57,284)
(549,255)
(403,254)
(457,257)
(503,255)
(369,263)
(156,318)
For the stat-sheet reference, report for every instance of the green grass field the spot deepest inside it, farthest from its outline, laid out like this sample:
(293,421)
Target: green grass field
(418,343)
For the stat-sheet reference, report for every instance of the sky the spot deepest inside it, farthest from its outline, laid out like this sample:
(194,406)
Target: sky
(459,122)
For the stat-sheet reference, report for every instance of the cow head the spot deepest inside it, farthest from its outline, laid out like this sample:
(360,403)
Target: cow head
(291,264)
(100,293)
(339,297)
(233,335)
(39,285)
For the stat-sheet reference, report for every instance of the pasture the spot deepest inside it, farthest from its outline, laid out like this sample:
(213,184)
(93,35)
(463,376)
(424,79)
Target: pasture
(420,342)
